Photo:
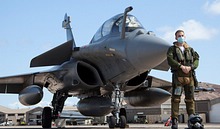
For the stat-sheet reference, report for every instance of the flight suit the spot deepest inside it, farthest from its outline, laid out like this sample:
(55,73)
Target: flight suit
(180,80)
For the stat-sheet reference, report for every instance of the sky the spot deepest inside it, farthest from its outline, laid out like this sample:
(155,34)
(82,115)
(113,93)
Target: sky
(29,28)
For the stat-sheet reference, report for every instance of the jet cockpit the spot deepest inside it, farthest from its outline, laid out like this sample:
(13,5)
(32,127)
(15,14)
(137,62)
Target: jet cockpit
(114,26)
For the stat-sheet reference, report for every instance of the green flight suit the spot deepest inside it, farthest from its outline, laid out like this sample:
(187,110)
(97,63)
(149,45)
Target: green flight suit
(180,80)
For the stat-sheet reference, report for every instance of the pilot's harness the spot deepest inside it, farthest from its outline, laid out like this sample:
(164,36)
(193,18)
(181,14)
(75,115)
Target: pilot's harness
(185,58)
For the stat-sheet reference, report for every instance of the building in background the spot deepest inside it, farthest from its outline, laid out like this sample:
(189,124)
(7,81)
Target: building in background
(18,116)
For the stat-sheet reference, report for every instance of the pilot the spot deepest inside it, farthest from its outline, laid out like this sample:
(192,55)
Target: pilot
(183,61)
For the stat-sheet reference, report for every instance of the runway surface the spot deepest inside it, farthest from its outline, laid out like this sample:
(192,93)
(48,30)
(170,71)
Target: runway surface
(131,126)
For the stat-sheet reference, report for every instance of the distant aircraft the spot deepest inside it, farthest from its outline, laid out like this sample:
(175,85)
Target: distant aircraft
(112,68)
(74,116)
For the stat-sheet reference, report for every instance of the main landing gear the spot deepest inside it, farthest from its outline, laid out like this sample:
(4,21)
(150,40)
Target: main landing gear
(119,114)
(48,115)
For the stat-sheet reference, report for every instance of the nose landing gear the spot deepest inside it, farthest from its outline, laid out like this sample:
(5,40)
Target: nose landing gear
(119,114)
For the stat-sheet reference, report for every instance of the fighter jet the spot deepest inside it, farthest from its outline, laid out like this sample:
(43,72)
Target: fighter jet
(113,67)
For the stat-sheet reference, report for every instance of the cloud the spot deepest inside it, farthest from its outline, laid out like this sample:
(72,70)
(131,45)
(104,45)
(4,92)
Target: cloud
(194,31)
(212,7)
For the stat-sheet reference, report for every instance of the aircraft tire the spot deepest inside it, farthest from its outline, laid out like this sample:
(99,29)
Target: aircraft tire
(46,117)
(112,122)
(123,122)
(123,112)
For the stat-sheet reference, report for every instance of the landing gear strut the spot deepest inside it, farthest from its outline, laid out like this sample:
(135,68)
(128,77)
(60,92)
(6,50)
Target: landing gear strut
(48,115)
(119,114)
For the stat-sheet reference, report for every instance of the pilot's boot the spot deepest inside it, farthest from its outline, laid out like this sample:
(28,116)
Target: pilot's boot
(174,123)
(195,122)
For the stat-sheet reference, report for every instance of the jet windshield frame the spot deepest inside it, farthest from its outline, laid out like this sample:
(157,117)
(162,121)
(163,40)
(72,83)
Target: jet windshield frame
(114,24)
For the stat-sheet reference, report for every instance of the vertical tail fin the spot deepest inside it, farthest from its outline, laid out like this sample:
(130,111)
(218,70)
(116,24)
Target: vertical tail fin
(66,25)
(59,54)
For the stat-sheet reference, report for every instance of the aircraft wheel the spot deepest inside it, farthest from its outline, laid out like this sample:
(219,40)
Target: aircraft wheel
(123,121)
(123,112)
(112,122)
(46,117)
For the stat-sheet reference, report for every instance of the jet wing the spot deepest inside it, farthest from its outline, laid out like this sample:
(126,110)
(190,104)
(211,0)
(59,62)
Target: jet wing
(55,56)
(14,84)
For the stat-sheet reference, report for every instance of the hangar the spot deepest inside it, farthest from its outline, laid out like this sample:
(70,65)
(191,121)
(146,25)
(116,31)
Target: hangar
(208,103)
(18,116)
(25,116)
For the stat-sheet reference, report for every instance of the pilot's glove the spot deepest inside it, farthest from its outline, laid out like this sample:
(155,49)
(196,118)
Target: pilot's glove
(185,69)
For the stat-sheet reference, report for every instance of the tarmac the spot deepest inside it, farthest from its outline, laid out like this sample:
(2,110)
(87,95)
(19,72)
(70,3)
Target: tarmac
(131,126)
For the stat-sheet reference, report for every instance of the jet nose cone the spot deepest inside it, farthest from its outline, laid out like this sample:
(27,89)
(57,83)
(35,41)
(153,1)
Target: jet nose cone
(147,51)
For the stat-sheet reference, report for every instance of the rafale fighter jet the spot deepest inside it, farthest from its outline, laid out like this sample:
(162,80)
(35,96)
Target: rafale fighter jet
(112,68)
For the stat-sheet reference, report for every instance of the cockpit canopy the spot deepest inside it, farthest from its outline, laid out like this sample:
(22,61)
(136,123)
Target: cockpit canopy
(114,26)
